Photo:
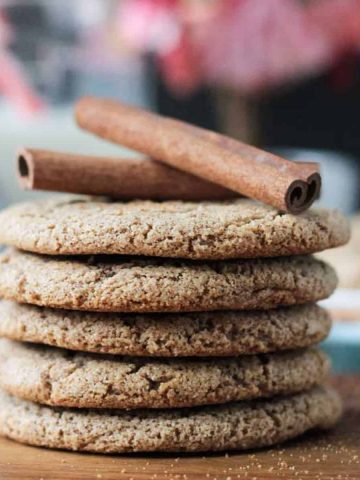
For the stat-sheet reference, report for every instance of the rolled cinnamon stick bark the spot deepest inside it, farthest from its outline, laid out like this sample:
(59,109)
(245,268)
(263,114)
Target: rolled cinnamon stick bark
(286,185)
(121,178)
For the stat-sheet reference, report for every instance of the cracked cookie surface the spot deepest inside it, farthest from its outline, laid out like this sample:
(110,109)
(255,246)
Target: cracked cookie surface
(223,333)
(238,426)
(134,284)
(239,228)
(56,377)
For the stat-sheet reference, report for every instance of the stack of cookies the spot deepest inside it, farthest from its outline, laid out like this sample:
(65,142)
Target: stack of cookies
(164,326)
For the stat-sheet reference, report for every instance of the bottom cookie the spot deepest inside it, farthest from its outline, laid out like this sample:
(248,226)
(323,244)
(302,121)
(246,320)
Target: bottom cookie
(236,426)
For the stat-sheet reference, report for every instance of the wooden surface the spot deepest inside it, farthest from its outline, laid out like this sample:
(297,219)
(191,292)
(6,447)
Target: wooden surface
(321,456)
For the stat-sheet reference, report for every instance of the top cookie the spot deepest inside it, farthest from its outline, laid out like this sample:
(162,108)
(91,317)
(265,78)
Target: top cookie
(239,228)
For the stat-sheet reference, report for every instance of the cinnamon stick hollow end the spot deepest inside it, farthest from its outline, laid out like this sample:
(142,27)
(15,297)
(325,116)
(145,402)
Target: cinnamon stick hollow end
(301,194)
(25,168)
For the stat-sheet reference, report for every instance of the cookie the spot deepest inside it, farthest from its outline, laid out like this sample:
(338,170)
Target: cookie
(57,377)
(244,425)
(239,228)
(120,284)
(228,333)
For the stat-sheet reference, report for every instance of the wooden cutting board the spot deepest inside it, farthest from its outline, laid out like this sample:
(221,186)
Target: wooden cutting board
(320,456)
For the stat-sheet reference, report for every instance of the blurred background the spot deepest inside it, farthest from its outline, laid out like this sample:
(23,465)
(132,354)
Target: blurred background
(279,74)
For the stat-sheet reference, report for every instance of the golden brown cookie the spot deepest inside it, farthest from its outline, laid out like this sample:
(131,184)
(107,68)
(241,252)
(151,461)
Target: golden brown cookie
(58,377)
(237,426)
(120,284)
(225,333)
(239,228)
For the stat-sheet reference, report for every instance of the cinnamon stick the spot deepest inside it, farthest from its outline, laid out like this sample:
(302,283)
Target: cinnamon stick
(288,186)
(121,178)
